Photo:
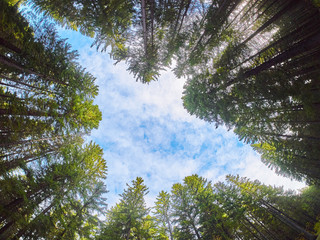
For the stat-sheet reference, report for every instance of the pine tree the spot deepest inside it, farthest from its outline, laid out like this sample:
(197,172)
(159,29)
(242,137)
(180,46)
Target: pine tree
(126,220)
(261,79)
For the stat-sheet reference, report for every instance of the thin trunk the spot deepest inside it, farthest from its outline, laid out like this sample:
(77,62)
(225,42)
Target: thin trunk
(5,228)
(13,86)
(27,159)
(10,46)
(43,91)
(269,231)
(253,234)
(255,228)
(289,136)
(79,212)
(31,141)
(10,63)
(169,228)
(273,19)
(261,13)
(144,25)
(34,221)
(210,19)
(152,23)
(298,48)
(183,16)
(229,12)
(288,221)
(194,227)
(287,37)
(30,112)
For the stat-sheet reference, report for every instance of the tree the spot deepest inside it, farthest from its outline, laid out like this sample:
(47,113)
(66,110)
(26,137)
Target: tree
(263,210)
(261,80)
(52,183)
(163,214)
(234,209)
(46,98)
(46,106)
(146,34)
(196,212)
(127,218)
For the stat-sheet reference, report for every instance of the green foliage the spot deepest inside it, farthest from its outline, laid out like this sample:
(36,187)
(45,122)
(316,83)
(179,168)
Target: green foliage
(129,218)
(64,191)
(235,209)
(251,65)
(163,215)
(45,95)
(51,184)
(261,81)
(145,34)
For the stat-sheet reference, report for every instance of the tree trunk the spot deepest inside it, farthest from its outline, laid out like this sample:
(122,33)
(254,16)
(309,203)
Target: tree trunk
(10,63)
(5,228)
(298,48)
(22,231)
(144,25)
(287,220)
(10,46)
(255,228)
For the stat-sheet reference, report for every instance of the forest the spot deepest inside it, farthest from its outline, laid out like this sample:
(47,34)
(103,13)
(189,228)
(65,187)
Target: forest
(252,66)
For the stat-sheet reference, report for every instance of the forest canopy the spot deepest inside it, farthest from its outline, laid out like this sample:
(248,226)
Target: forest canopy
(252,66)
(197,209)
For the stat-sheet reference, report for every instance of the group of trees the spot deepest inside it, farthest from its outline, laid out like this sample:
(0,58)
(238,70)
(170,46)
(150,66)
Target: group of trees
(144,33)
(196,209)
(251,65)
(51,183)
(257,72)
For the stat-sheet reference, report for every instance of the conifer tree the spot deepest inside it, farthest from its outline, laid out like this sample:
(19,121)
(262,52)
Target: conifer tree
(259,77)
(127,218)
(51,185)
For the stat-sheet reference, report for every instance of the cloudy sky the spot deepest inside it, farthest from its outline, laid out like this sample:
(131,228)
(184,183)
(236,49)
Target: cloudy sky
(146,132)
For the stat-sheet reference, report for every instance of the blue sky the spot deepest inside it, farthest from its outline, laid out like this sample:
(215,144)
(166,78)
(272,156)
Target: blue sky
(146,132)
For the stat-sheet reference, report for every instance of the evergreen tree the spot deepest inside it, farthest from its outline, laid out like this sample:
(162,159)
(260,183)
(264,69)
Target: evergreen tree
(127,219)
(235,209)
(163,214)
(44,188)
(260,78)
(51,185)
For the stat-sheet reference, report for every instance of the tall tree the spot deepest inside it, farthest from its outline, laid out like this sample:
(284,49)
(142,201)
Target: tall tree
(46,98)
(127,218)
(163,213)
(48,178)
(260,77)
(51,184)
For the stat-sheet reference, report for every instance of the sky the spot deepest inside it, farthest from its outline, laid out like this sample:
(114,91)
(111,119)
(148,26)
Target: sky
(146,132)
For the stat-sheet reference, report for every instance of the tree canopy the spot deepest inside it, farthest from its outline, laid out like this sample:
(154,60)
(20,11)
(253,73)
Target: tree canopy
(197,209)
(51,182)
(258,75)
(252,66)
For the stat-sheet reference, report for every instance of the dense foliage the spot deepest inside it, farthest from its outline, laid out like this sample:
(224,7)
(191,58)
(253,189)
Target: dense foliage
(51,184)
(258,73)
(196,209)
(251,65)
(144,33)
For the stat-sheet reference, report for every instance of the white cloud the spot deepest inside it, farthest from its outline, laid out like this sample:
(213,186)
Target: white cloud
(145,131)
(255,169)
